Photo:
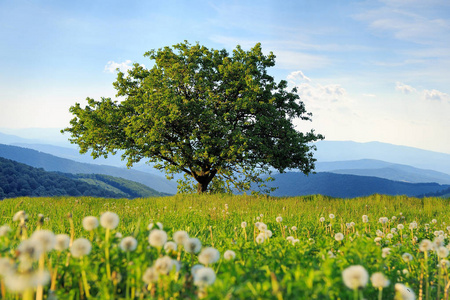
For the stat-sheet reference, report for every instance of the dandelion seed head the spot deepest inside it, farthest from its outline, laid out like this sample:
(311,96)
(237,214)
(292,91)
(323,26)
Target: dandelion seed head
(157,238)
(229,255)
(331,216)
(244,224)
(262,226)
(385,252)
(339,236)
(400,226)
(444,263)
(379,280)
(192,245)
(90,223)
(6,266)
(279,219)
(294,228)
(19,282)
(425,245)
(267,234)
(128,244)
(204,277)
(170,247)
(21,215)
(355,277)
(365,219)
(46,238)
(164,265)
(322,219)
(62,242)
(407,257)
(442,252)
(150,275)
(180,237)
(4,230)
(260,238)
(80,247)
(29,251)
(208,255)
(109,220)
(404,292)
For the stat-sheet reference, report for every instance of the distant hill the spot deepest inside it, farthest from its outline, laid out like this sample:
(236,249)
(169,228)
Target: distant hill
(52,163)
(17,179)
(382,169)
(328,151)
(346,186)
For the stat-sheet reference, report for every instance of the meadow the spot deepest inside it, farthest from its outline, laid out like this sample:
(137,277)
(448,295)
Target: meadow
(225,247)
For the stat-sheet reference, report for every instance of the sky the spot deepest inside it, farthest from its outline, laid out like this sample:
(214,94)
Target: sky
(367,70)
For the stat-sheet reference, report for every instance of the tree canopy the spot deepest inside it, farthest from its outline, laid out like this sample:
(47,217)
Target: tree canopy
(206,113)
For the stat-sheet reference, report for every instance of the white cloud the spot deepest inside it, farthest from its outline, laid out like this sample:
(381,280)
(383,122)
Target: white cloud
(404,88)
(112,66)
(297,75)
(435,95)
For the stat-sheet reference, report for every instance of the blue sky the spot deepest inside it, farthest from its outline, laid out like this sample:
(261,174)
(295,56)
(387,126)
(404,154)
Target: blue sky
(367,70)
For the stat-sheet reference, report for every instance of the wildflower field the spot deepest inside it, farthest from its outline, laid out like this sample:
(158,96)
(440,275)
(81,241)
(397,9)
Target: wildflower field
(225,247)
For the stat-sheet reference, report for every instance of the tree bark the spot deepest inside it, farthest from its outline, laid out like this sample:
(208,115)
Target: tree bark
(203,181)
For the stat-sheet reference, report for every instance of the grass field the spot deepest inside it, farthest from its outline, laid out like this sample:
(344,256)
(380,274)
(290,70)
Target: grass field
(295,250)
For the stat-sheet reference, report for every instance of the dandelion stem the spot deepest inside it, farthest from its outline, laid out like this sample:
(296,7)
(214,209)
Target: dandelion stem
(85,282)
(108,267)
(28,294)
(40,287)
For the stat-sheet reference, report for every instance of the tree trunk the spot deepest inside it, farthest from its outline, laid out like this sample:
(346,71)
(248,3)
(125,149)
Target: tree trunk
(202,187)
(203,180)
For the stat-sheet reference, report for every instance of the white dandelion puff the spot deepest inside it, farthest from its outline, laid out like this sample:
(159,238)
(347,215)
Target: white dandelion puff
(128,244)
(90,223)
(150,275)
(404,292)
(164,265)
(339,236)
(407,257)
(385,252)
(46,238)
(157,238)
(229,255)
(279,219)
(4,230)
(109,220)
(425,245)
(442,252)
(170,247)
(355,277)
(192,245)
(244,224)
(80,247)
(62,242)
(379,280)
(209,255)
(180,237)
(204,277)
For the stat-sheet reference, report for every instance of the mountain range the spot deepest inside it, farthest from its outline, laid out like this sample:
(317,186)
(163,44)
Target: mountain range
(343,168)
(17,179)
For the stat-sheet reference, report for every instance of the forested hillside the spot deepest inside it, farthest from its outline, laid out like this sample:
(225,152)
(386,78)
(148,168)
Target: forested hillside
(18,179)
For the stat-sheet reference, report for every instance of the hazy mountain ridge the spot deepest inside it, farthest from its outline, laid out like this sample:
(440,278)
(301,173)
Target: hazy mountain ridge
(382,169)
(373,160)
(346,186)
(18,180)
(52,163)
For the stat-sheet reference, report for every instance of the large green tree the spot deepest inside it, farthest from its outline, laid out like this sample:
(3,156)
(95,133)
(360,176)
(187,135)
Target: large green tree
(202,112)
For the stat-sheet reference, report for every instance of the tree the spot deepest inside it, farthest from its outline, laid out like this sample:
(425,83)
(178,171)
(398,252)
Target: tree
(201,112)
